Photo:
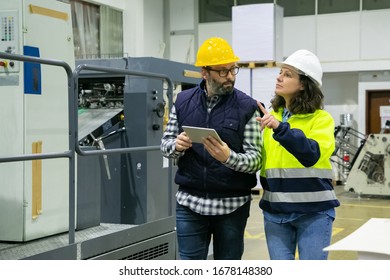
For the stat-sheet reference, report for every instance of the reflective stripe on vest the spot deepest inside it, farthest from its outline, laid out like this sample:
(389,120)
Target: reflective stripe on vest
(299,173)
(295,197)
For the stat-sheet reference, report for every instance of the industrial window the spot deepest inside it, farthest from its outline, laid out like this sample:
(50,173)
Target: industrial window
(249,2)
(97,30)
(215,10)
(221,10)
(376,4)
(293,8)
(111,32)
(335,6)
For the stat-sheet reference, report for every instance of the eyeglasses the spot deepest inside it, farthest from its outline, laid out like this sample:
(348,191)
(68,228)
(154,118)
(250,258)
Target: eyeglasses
(224,72)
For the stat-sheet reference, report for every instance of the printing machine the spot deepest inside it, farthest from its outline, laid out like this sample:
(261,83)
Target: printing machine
(34,120)
(82,174)
(117,111)
(124,200)
(127,111)
(364,159)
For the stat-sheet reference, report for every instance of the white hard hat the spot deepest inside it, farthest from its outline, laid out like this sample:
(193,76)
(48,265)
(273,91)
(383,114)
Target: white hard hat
(306,62)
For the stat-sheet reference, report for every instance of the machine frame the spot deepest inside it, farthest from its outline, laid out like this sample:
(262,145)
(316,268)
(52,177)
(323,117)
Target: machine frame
(364,161)
(153,239)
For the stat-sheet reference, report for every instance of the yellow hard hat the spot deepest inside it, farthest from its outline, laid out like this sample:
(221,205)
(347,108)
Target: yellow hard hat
(215,51)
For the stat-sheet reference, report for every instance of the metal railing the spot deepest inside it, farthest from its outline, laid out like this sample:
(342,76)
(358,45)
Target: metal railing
(110,70)
(74,147)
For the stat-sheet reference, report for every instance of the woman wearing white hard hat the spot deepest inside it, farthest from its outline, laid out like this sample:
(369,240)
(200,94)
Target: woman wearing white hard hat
(298,201)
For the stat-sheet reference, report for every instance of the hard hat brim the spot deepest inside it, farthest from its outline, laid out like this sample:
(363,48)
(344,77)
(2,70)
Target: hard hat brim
(300,72)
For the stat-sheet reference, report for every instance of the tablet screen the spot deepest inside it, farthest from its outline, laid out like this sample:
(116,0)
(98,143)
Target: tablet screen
(197,133)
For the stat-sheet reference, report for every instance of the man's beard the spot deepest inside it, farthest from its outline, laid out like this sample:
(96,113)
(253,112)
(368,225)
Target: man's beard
(220,89)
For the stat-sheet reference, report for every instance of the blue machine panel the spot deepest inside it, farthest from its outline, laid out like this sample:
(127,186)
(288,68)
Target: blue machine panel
(32,72)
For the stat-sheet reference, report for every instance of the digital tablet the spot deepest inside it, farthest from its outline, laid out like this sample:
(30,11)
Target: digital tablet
(197,133)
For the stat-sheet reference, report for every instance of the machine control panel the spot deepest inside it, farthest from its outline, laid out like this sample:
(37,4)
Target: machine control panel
(9,40)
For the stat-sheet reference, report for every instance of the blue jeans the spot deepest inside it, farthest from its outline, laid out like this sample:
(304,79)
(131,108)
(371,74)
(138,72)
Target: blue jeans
(194,232)
(311,233)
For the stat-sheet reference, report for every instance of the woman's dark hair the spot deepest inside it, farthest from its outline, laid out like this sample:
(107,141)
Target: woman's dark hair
(306,101)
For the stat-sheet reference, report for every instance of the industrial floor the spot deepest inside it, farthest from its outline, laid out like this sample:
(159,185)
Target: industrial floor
(353,213)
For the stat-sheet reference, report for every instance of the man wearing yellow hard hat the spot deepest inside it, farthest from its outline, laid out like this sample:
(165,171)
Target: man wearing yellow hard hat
(214,178)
